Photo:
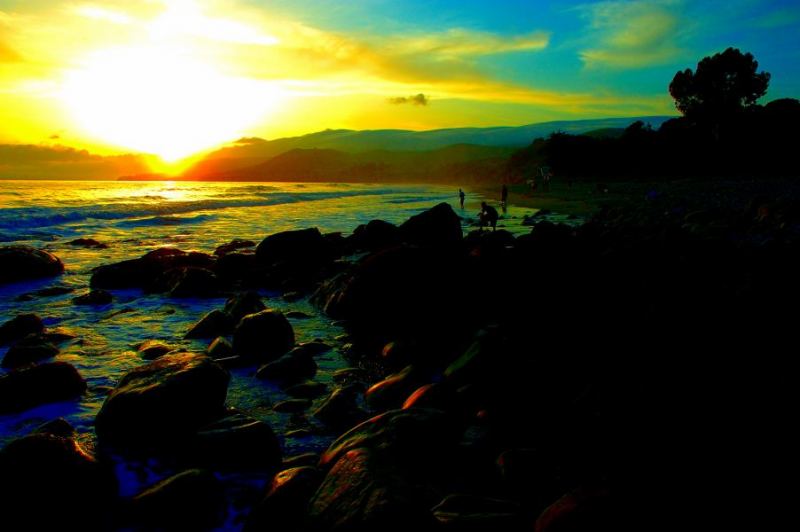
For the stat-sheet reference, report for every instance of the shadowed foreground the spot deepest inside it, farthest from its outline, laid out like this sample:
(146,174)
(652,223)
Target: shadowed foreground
(613,376)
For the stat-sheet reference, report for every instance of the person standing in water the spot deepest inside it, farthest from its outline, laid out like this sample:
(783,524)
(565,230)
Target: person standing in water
(461,197)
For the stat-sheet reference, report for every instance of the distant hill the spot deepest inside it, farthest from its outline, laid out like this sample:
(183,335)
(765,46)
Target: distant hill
(462,163)
(249,152)
(29,161)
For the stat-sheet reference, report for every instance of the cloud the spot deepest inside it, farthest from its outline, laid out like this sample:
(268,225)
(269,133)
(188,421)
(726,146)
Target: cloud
(629,35)
(459,42)
(417,99)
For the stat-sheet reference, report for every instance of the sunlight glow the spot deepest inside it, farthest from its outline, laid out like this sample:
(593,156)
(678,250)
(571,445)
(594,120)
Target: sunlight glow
(163,101)
(163,90)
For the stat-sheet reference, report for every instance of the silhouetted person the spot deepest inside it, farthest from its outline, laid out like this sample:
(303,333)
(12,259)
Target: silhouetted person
(504,198)
(461,197)
(488,216)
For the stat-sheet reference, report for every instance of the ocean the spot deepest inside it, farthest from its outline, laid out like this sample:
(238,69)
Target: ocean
(134,218)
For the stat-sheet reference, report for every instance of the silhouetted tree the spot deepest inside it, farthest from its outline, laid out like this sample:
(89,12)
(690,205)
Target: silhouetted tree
(722,85)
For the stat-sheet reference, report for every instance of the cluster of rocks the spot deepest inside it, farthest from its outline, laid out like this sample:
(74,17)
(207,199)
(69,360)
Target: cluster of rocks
(562,380)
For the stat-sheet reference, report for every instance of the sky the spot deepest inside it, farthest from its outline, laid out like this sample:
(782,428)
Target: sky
(174,77)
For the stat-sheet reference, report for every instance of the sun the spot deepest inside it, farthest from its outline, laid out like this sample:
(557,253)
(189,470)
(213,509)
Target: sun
(163,100)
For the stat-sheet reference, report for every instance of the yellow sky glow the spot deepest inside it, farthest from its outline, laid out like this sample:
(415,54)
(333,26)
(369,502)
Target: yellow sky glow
(177,77)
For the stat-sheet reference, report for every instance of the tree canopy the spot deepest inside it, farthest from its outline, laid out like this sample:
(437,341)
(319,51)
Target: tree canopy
(722,85)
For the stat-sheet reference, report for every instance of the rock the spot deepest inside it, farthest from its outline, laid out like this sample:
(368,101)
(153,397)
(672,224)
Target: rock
(56,427)
(297,315)
(393,390)
(215,323)
(147,271)
(45,477)
(349,375)
(243,304)
(220,348)
(237,441)
(432,395)
(87,243)
(382,296)
(413,434)
(93,297)
(529,475)
(264,336)
(173,396)
(311,348)
(307,390)
(292,367)
(20,263)
(291,406)
(188,281)
(58,335)
(438,226)
(40,384)
(298,247)
(240,267)
(284,505)
(300,460)
(152,349)
(29,350)
(579,511)
(341,410)
(375,235)
(193,499)
(473,513)
(233,245)
(363,493)
(19,327)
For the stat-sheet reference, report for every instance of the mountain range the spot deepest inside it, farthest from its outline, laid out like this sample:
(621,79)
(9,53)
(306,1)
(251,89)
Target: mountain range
(468,155)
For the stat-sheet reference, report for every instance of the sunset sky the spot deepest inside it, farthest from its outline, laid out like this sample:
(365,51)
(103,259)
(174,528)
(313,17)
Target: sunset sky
(174,77)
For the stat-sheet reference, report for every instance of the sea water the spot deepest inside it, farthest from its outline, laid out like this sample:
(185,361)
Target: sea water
(132,218)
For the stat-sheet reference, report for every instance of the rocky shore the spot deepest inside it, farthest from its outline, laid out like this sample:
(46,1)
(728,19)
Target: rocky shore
(598,377)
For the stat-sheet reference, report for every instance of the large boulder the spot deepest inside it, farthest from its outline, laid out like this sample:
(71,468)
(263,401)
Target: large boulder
(233,245)
(31,349)
(302,246)
(469,513)
(214,323)
(19,327)
(374,235)
(171,397)
(295,260)
(237,441)
(189,281)
(402,293)
(193,500)
(147,271)
(363,493)
(40,384)
(263,336)
(243,304)
(438,226)
(20,263)
(341,410)
(93,297)
(45,478)
(284,505)
(413,435)
(295,366)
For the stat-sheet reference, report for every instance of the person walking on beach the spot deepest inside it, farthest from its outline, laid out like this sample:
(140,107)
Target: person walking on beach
(487,216)
(461,197)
